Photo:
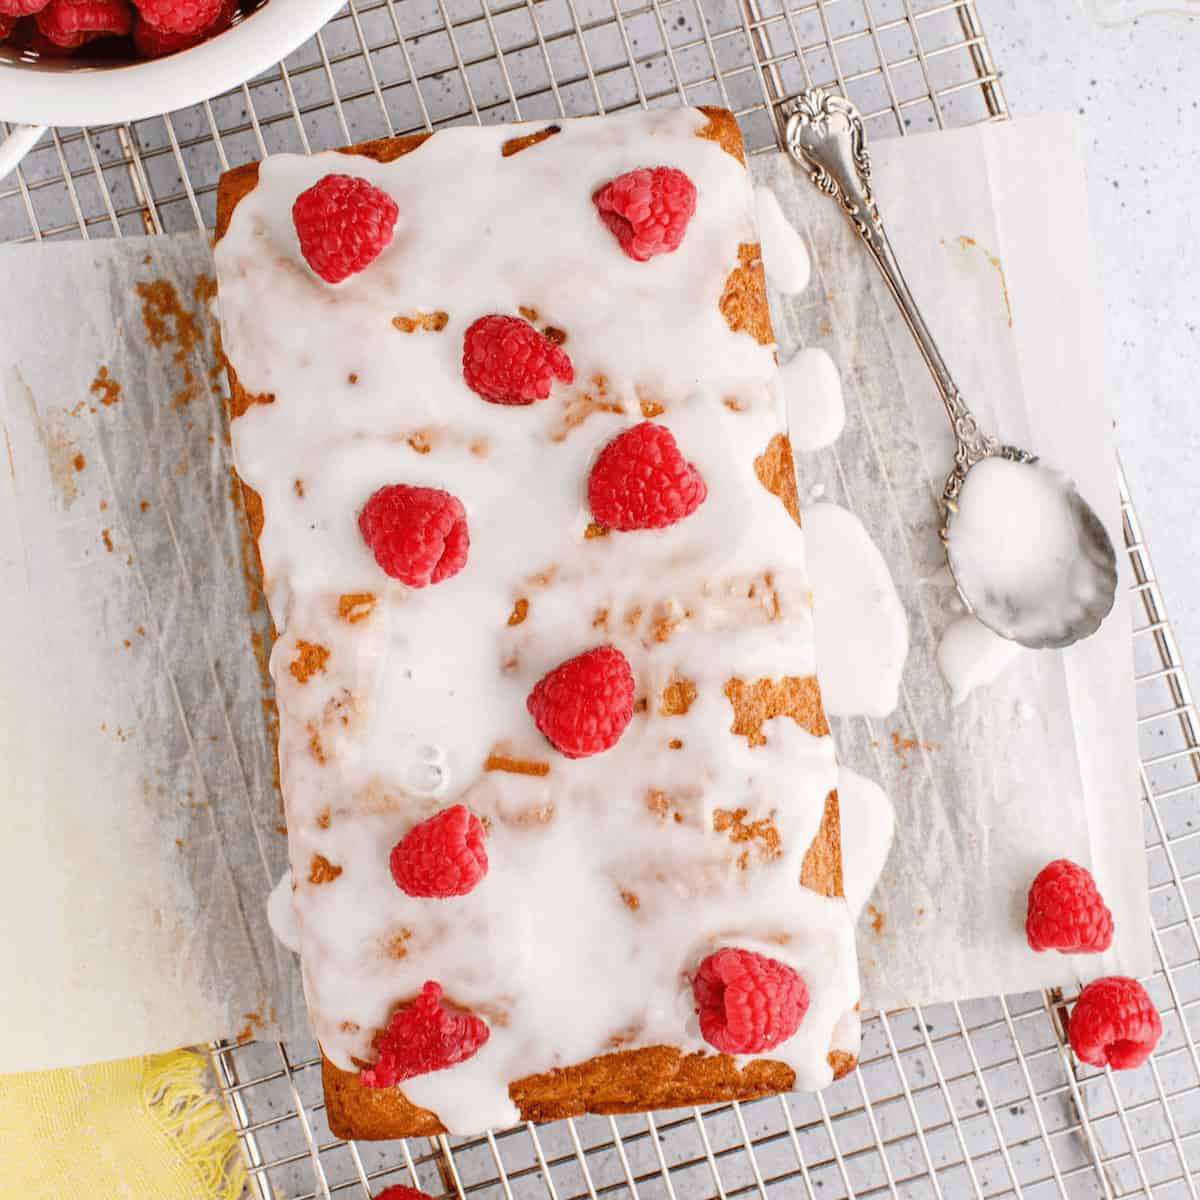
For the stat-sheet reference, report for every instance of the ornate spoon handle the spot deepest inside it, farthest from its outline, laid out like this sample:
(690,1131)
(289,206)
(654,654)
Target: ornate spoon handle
(825,136)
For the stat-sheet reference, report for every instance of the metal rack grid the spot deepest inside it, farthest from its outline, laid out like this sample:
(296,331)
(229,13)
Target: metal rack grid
(964,1099)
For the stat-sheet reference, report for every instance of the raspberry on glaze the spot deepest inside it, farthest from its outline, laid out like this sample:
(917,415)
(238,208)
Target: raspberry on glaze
(179,16)
(641,481)
(1114,1023)
(417,534)
(585,703)
(507,361)
(152,42)
(401,1191)
(19,8)
(422,1036)
(440,857)
(70,23)
(1066,911)
(344,223)
(747,1002)
(648,210)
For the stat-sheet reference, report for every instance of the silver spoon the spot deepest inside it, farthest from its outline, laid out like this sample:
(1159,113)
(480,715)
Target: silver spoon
(824,135)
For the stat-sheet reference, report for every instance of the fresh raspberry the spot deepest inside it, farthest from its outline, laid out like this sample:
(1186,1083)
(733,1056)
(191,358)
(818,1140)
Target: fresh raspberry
(417,534)
(152,42)
(422,1036)
(1066,912)
(584,704)
(344,224)
(6,26)
(71,23)
(1114,1023)
(641,481)
(20,8)
(747,1002)
(506,361)
(443,856)
(648,210)
(401,1191)
(179,16)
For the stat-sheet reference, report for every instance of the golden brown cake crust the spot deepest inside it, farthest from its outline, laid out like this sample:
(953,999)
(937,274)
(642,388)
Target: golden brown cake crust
(650,1077)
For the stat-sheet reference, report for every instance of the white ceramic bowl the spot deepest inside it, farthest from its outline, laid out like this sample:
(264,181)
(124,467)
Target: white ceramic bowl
(66,93)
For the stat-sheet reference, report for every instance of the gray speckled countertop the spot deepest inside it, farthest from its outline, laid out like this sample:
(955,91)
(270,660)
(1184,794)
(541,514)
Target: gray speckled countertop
(1137,86)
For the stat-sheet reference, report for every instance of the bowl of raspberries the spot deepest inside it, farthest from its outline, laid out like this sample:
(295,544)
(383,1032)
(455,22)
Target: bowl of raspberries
(99,62)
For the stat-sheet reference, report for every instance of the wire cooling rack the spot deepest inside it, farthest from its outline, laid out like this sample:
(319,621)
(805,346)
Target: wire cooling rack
(954,1100)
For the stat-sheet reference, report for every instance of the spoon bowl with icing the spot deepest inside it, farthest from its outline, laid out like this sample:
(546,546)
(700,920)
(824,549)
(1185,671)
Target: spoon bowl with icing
(1029,556)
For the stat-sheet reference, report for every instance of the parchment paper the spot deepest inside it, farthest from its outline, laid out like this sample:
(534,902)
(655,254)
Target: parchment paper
(136,779)
(1042,763)
(141,817)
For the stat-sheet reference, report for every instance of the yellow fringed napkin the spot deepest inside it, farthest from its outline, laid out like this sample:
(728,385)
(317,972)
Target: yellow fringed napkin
(148,1127)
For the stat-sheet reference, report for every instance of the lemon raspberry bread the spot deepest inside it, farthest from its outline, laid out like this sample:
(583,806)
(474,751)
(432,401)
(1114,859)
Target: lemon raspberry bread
(559,789)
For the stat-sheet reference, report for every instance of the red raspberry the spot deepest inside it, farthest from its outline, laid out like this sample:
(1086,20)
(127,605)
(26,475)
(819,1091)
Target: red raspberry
(1114,1023)
(6,26)
(417,534)
(422,1036)
(20,8)
(152,42)
(641,481)
(648,210)
(1066,912)
(584,704)
(747,1002)
(70,23)
(441,857)
(344,224)
(179,16)
(401,1191)
(506,361)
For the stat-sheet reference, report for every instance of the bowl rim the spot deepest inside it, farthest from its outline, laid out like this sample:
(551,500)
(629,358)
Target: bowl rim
(31,93)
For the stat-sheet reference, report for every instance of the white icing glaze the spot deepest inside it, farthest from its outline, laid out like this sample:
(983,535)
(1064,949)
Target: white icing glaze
(785,255)
(970,656)
(415,695)
(868,822)
(812,390)
(861,626)
(281,913)
(1015,542)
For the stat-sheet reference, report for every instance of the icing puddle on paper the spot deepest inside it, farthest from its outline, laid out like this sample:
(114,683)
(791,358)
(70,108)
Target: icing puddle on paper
(812,390)
(971,656)
(861,626)
(785,256)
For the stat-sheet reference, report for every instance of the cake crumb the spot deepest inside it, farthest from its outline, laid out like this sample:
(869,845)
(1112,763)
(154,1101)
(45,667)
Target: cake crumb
(631,900)
(675,744)
(903,745)
(349,1027)
(530,314)
(106,537)
(479,447)
(420,441)
(314,744)
(143,505)
(677,698)
(520,611)
(641,704)
(595,530)
(428,322)
(105,387)
(600,620)
(79,462)
(298,487)
(759,702)
(323,819)
(281,829)
(321,870)
(395,945)
(651,409)
(310,660)
(516,144)
(554,335)
(355,606)
(761,833)
(103,505)
(352,378)
(499,761)
(876,918)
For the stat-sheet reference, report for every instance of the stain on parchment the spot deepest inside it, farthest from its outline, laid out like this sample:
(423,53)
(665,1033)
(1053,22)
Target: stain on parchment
(969,243)
(61,451)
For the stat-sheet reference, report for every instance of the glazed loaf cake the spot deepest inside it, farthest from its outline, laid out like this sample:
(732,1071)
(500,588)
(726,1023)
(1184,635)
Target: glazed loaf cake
(637,900)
